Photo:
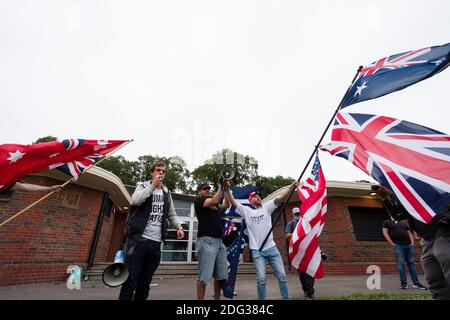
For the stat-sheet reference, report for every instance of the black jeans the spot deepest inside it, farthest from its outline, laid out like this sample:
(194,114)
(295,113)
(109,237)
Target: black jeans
(307,284)
(142,265)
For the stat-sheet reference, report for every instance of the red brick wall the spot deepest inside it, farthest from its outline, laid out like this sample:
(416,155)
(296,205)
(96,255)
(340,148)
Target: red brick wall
(104,239)
(345,254)
(38,245)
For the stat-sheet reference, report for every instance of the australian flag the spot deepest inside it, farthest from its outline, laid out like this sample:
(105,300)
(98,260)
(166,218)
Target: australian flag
(234,236)
(72,156)
(411,160)
(398,71)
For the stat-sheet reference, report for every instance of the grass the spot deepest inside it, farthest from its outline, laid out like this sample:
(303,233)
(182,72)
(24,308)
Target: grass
(379,296)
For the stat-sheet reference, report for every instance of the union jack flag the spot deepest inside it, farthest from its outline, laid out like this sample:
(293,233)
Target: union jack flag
(304,251)
(411,160)
(397,72)
(72,156)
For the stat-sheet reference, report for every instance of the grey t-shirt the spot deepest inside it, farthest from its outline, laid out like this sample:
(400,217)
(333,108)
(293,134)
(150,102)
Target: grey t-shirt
(153,228)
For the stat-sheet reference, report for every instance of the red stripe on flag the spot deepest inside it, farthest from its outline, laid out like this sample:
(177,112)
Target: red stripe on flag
(420,209)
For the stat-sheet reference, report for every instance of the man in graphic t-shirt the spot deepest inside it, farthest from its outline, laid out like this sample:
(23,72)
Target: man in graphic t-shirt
(147,228)
(259,221)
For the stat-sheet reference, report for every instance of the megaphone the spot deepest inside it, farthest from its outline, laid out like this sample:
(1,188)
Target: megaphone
(116,273)
(227,173)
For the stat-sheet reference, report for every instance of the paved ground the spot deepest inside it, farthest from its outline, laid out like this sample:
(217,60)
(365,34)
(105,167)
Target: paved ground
(183,288)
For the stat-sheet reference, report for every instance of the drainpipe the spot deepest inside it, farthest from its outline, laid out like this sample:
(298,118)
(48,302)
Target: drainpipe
(98,228)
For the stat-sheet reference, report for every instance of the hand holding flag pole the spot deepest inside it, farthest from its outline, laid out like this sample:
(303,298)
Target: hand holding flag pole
(62,186)
(280,211)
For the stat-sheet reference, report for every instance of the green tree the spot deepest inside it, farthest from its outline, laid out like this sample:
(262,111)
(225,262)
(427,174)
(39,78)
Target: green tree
(45,139)
(245,167)
(177,175)
(272,184)
(127,171)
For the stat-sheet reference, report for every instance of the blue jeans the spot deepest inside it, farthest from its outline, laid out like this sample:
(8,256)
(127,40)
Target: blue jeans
(276,262)
(142,265)
(405,254)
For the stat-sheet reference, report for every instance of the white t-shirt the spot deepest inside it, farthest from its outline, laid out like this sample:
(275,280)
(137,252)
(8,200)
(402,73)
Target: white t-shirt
(153,228)
(259,222)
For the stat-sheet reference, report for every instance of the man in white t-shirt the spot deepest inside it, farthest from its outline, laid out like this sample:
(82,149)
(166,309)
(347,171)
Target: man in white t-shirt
(259,222)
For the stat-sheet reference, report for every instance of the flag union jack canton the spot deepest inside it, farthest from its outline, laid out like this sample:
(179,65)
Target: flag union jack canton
(396,72)
(304,251)
(71,156)
(411,160)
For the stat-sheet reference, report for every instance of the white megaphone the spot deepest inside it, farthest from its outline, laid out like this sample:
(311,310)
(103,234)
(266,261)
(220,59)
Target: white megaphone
(226,173)
(116,273)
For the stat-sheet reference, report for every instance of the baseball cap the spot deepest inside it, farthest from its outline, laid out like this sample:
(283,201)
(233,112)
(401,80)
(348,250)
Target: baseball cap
(295,210)
(252,194)
(202,186)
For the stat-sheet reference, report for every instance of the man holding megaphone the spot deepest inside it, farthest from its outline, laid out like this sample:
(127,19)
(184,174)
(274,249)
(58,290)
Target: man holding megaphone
(146,230)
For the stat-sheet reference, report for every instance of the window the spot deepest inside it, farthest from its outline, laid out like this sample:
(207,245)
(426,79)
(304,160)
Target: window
(71,200)
(108,208)
(5,196)
(182,208)
(367,223)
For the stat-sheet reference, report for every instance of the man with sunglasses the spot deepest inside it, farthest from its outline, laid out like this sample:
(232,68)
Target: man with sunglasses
(211,252)
(147,228)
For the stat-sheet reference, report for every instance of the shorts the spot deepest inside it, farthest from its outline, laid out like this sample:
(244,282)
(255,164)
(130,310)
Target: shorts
(212,259)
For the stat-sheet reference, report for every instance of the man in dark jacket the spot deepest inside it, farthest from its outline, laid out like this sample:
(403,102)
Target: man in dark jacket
(146,230)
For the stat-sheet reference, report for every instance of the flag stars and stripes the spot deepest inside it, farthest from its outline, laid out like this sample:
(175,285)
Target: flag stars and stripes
(15,156)
(359,89)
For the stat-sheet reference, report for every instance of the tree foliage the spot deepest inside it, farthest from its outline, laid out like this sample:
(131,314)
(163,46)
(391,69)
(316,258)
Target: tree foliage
(180,179)
(245,167)
(127,171)
(45,139)
(272,184)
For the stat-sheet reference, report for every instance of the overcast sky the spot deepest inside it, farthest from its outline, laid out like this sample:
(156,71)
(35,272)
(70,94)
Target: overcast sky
(190,78)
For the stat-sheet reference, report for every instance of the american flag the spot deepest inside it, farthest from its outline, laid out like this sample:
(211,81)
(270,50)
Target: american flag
(411,160)
(397,72)
(304,251)
(71,156)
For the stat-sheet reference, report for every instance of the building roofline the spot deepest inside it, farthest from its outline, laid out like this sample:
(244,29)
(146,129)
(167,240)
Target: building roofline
(334,188)
(99,179)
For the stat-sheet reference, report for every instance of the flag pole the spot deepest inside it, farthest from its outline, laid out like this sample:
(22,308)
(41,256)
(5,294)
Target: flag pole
(309,160)
(62,186)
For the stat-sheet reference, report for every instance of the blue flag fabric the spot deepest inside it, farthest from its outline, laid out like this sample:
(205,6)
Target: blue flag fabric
(234,237)
(233,254)
(397,72)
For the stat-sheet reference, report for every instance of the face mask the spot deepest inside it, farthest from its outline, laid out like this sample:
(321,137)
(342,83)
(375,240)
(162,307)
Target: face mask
(296,218)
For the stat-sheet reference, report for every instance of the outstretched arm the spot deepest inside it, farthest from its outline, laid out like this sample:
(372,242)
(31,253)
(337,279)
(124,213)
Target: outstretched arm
(210,202)
(281,198)
(229,196)
(28,187)
(225,204)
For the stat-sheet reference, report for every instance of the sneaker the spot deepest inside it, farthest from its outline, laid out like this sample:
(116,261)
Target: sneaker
(419,286)
(403,287)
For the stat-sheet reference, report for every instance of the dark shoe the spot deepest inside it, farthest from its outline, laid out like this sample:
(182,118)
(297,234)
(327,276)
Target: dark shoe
(403,287)
(419,286)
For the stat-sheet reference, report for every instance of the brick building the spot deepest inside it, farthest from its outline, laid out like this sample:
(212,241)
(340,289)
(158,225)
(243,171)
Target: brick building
(82,225)
(79,225)
(352,237)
